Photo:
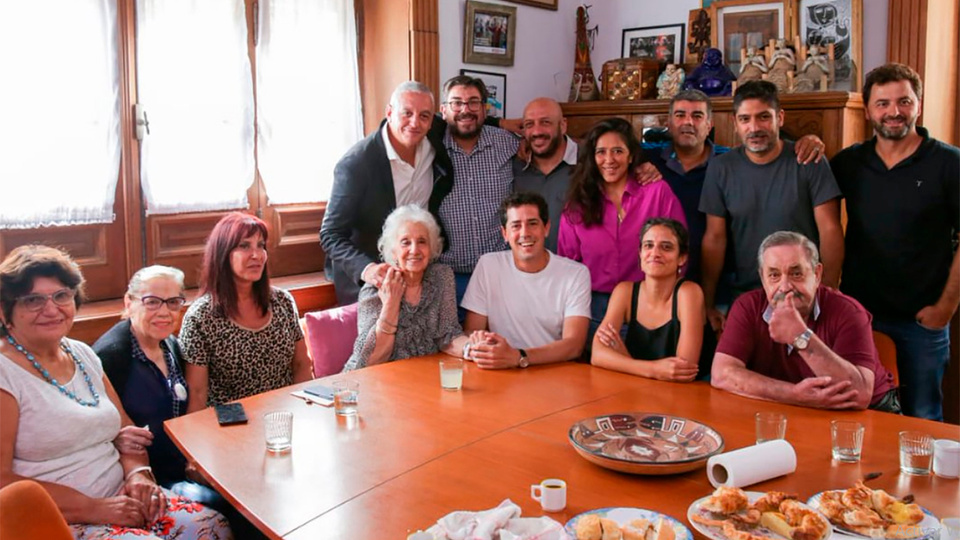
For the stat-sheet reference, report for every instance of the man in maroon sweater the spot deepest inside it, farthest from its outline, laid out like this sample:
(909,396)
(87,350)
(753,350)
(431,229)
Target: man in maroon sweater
(798,342)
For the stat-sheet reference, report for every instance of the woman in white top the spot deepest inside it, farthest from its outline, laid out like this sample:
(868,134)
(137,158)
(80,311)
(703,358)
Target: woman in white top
(61,415)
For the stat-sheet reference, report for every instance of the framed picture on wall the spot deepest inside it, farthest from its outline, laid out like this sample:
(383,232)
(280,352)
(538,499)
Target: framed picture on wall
(741,24)
(837,22)
(496,84)
(545,4)
(663,44)
(489,34)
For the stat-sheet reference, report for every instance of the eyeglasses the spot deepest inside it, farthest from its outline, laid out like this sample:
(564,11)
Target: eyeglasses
(153,303)
(36,302)
(457,105)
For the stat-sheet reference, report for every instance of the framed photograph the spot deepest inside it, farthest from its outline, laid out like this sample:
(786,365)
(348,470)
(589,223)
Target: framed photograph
(496,89)
(740,24)
(837,22)
(545,4)
(489,34)
(664,44)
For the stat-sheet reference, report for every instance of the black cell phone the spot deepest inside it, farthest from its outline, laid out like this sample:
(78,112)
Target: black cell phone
(231,413)
(320,391)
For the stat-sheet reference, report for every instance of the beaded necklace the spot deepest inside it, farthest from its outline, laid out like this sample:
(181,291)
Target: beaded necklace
(51,380)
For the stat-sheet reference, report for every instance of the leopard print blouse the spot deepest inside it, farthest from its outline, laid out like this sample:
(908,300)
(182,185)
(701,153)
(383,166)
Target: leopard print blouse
(242,361)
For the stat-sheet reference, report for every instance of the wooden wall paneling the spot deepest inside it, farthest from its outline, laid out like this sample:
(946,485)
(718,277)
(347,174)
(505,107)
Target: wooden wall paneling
(295,240)
(425,44)
(386,55)
(940,81)
(178,240)
(907,33)
(129,196)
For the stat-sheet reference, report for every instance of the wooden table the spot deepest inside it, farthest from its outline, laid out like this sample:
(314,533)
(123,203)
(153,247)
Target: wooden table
(417,452)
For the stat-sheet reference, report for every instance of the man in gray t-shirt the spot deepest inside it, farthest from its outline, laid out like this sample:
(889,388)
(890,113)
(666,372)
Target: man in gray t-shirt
(759,188)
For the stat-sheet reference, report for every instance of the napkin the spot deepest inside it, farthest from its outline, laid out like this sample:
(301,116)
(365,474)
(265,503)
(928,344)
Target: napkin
(752,464)
(500,523)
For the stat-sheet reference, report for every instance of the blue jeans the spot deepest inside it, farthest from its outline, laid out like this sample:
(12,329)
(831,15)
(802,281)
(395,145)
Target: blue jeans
(461,281)
(922,357)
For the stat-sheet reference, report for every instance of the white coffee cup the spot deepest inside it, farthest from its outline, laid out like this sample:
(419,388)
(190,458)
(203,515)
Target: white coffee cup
(551,493)
(946,458)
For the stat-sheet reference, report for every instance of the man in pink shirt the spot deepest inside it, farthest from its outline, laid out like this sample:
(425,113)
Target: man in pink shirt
(797,342)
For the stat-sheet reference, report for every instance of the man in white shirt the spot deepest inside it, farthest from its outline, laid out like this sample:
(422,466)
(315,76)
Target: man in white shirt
(526,306)
(396,165)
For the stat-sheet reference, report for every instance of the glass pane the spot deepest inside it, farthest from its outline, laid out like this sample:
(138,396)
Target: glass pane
(59,108)
(308,97)
(194,82)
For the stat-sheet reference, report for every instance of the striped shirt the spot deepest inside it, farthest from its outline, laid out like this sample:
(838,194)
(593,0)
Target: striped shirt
(482,179)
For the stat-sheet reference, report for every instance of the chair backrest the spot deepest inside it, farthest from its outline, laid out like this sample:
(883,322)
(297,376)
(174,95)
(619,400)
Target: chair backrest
(888,354)
(330,336)
(27,512)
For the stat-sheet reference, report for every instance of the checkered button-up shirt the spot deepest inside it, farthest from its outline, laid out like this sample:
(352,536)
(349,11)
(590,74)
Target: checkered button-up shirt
(482,179)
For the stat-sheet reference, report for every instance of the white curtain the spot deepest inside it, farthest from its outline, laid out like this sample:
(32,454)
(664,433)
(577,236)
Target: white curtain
(308,95)
(59,112)
(193,80)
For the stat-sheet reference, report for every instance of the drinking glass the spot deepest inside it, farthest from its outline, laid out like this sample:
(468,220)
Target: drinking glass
(346,395)
(770,426)
(278,430)
(451,373)
(847,440)
(916,452)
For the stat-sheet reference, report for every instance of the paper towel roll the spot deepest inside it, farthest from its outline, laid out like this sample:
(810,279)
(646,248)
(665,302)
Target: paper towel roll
(752,464)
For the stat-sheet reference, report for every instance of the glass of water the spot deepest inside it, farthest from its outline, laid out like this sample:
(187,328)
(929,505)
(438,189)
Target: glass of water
(916,452)
(278,430)
(346,395)
(847,440)
(451,373)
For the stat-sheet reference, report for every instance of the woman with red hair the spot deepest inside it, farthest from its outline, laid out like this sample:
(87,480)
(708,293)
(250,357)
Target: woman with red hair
(241,336)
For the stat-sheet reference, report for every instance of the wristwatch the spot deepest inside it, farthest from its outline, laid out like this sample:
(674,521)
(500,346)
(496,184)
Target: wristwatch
(802,341)
(523,359)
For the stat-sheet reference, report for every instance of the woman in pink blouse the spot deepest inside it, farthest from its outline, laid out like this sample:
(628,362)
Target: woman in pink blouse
(607,207)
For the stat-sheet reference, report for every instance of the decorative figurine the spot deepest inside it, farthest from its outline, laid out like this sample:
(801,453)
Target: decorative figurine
(753,66)
(670,82)
(816,71)
(783,64)
(699,40)
(711,77)
(583,87)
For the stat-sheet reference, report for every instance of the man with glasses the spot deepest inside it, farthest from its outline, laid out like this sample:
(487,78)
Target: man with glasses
(396,165)
(482,178)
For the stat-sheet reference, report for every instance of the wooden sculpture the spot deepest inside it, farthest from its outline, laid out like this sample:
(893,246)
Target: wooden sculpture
(583,87)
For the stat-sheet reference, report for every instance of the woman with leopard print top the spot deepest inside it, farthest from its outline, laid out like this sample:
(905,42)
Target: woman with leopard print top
(241,337)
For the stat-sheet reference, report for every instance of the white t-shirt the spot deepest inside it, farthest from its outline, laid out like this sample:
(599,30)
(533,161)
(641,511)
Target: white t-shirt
(528,309)
(59,440)
(411,184)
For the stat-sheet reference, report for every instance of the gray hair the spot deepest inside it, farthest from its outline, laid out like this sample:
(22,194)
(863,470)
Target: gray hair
(789,238)
(144,275)
(416,87)
(410,213)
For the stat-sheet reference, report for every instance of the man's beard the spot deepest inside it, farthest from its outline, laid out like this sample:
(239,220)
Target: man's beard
(551,148)
(894,133)
(465,134)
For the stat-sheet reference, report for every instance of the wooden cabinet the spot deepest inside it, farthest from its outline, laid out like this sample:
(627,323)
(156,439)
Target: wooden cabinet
(836,117)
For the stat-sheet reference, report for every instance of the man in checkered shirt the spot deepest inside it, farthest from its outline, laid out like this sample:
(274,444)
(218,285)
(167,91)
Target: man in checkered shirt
(482,178)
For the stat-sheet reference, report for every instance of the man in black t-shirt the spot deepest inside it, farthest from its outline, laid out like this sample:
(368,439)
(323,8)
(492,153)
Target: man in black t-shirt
(903,205)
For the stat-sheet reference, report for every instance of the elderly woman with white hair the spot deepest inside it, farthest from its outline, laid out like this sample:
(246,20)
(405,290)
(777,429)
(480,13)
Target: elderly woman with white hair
(414,311)
(143,360)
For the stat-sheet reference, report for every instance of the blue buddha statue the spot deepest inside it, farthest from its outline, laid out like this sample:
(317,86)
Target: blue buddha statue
(711,77)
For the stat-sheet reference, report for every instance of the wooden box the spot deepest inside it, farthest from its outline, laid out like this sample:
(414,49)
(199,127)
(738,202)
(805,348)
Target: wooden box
(629,79)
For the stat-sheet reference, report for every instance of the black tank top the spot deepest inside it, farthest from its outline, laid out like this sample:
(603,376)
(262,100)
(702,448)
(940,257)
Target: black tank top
(658,343)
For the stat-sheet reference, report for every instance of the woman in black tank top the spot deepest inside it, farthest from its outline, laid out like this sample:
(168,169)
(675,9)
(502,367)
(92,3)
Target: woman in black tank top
(664,314)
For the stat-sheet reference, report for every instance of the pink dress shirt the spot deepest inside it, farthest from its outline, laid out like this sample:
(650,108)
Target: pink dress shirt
(611,250)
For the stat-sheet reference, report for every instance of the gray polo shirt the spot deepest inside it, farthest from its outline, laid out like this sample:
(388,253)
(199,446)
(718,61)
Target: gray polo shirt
(553,186)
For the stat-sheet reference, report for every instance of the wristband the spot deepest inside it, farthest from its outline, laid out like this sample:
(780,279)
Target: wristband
(142,468)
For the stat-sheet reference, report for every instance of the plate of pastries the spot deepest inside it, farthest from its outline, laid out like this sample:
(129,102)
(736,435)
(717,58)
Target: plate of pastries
(623,523)
(731,513)
(873,513)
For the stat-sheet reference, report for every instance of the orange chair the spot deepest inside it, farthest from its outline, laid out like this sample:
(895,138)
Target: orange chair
(27,512)
(888,354)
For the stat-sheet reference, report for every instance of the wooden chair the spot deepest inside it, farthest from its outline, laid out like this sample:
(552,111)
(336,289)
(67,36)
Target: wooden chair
(27,512)
(888,354)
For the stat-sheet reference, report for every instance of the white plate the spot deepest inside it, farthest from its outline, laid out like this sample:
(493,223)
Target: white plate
(930,523)
(624,515)
(714,533)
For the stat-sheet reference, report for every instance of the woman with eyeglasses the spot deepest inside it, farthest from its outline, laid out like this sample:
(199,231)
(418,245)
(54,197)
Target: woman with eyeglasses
(241,336)
(143,361)
(61,414)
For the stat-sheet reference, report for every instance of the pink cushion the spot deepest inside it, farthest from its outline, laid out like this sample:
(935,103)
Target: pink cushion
(330,336)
